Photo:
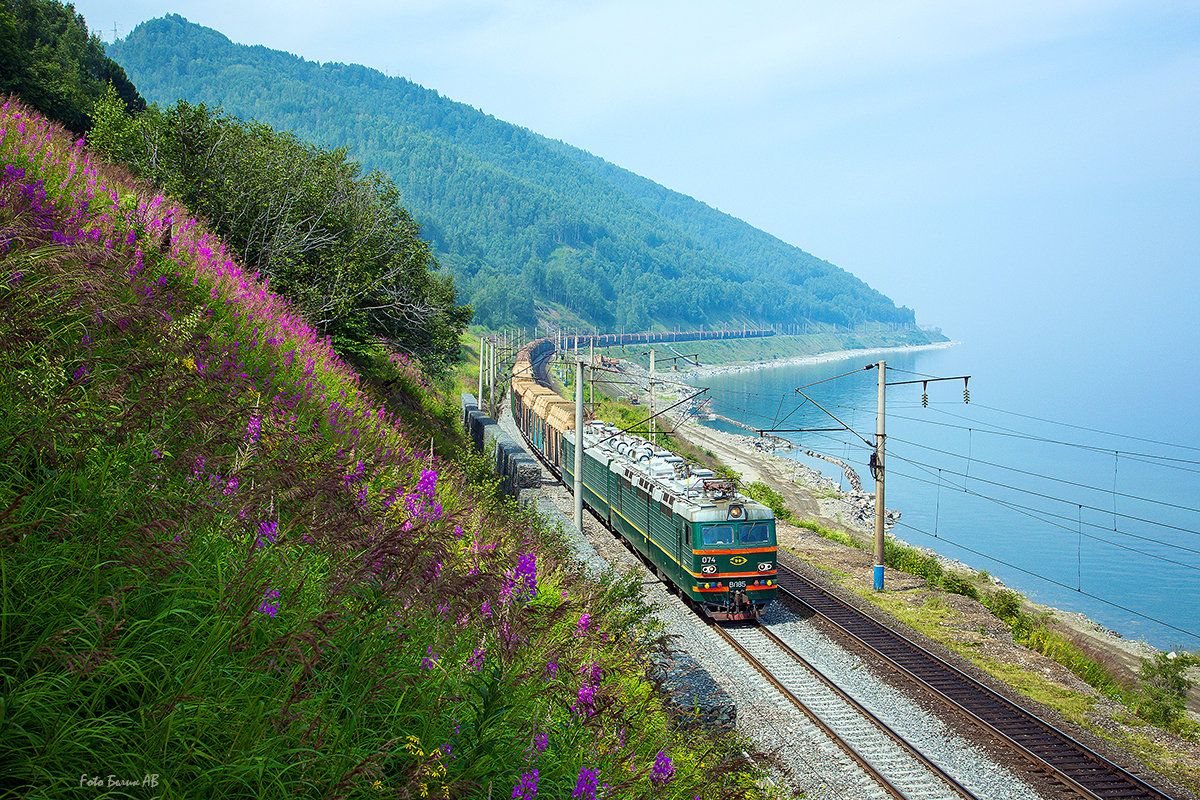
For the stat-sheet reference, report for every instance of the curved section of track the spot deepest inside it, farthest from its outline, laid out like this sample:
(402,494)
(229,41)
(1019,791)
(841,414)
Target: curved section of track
(1072,763)
(899,769)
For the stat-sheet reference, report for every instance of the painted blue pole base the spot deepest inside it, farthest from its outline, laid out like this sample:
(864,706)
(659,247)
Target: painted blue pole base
(879,578)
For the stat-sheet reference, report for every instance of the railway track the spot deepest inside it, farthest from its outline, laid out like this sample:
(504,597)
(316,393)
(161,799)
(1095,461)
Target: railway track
(1078,768)
(899,769)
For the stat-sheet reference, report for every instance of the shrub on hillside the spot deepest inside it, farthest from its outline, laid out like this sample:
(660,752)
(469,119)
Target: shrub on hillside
(334,241)
(1166,687)
(757,490)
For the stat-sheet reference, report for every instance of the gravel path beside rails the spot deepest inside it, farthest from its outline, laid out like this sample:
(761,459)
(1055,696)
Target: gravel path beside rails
(806,761)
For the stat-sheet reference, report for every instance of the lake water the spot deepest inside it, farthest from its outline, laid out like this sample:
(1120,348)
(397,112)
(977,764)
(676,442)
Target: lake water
(1071,475)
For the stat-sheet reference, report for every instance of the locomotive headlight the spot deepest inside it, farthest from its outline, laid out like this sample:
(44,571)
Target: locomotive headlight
(765,566)
(737,511)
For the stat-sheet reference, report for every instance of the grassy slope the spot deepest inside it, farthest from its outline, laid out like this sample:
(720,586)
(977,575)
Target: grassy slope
(223,564)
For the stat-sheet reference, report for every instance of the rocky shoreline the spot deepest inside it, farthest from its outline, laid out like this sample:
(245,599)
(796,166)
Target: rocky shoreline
(709,370)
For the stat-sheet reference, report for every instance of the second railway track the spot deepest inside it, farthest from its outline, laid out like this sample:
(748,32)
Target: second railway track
(1078,768)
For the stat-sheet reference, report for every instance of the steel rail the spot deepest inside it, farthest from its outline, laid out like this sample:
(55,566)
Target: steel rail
(825,729)
(886,729)
(1072,763)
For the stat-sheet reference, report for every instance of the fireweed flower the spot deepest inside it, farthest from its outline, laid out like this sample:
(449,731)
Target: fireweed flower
(664,770)
(541,742)
(585,704)
(526,788)
(521,583)
(475,662)
(425,486)
(585,786)
(254,429)
(268,530)
(584,620)
(430,658)
(267,607)
(527,574)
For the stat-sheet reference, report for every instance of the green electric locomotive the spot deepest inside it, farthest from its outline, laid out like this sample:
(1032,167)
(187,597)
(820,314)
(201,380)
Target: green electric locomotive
(716,546)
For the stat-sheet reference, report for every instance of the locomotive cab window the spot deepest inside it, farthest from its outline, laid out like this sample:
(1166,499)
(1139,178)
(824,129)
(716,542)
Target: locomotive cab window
(718,534)
(754,533)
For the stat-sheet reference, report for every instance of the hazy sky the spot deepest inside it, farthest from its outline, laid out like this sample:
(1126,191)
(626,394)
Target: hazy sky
(987,164)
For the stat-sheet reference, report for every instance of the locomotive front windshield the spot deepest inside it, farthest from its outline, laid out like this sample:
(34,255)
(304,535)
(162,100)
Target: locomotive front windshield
(746,533)
(754,533)
(718,534)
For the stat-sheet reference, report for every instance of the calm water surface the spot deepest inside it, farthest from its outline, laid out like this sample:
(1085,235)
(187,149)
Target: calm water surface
(1065,477)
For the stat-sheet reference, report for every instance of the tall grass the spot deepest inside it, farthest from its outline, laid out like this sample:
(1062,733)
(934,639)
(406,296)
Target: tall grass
(1160,697)
(224,568)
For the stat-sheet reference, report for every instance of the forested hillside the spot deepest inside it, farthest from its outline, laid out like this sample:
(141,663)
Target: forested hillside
(504,207)
(48,58)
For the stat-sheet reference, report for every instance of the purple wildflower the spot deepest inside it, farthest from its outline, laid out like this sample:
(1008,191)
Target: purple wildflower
(475,662)
(430,658)
(267,607)
(585,786)
(541,742)
(268,530)
(254,429)
(426,485)
(585,703)
(664,770)
(527,572)
(526,788)
(582,627)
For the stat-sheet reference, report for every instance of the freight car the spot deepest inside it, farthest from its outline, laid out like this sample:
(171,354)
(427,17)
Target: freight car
(714,545)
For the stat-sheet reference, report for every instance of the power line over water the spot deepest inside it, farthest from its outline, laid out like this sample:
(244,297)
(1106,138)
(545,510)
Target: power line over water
(1058,499)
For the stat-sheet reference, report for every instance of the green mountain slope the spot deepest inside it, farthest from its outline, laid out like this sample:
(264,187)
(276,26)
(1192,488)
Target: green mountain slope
(508,210)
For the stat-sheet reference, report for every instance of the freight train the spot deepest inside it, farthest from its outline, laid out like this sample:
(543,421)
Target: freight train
(715,546)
